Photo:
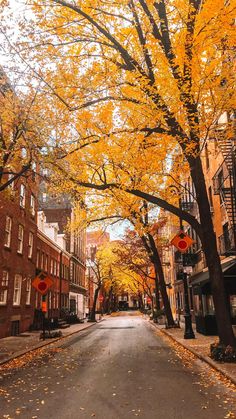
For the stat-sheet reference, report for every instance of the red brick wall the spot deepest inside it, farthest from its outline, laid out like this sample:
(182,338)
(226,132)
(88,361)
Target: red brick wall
(13,262)
(59,274)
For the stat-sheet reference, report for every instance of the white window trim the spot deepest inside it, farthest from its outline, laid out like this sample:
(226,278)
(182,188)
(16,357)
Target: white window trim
(20,239)
(8,231)
(46,263)
(28,292)
(6,279)
(22,195)
(16,302)
(4,302)
(51,266)
(32,204)
(30,245)
(11,186)
(4,283)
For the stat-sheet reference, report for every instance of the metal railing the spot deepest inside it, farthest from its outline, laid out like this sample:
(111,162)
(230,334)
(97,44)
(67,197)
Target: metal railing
(227,241)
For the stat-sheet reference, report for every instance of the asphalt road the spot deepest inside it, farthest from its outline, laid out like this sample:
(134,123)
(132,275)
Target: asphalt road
(120,368)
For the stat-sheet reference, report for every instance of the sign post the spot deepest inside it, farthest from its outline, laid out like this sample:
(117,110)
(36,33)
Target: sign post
(42,283)
(183,242)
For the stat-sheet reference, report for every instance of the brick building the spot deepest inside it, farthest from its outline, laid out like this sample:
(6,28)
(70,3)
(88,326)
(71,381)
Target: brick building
(59,210)
(219,164)
(18,230)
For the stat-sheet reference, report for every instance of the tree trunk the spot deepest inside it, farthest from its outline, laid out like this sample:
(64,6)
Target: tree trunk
(140,299)
(93,311)
(157,292)
(209,245)
(109,300)
(160,274)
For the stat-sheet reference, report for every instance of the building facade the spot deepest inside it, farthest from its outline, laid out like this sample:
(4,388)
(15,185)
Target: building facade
(59,212)
(18,231)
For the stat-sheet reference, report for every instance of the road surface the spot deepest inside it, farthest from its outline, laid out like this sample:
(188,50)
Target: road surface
(119,369)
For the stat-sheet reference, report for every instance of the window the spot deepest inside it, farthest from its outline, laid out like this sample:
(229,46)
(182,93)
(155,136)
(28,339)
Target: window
(11,186)
(28,291)
(44,197)
(55,268)
(20,239)
(42,261)
(32,204)
(22,196)
(33,168)
(37,258)
(3,297)
(8,227)
(51,267)
(46,263)
(4,284)
(5,276)
(31,243)
(17,290)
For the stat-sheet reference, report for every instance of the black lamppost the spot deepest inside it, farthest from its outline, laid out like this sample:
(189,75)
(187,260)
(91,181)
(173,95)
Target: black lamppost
(188,331)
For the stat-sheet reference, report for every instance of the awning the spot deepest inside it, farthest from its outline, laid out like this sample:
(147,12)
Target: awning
(201,278)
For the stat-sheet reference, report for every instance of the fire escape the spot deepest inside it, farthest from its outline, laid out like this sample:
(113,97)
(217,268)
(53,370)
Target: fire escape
(224,184)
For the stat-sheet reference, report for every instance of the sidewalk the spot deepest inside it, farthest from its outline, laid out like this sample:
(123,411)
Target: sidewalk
(15,346)
(200,347)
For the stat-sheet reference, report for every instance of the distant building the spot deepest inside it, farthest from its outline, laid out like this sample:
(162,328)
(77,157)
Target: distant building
(58,211)
(94,239)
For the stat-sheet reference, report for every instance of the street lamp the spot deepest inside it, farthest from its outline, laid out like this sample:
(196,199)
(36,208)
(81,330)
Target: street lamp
(188,332)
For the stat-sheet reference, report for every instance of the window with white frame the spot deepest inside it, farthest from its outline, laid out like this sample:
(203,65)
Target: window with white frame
(20,239)
(31,243)
(22,195)
(11,185)
(7,240)
(4,284)
(46,263)
(44,197)
(33,168)
(42,261)
(55,268)
(58,269)
(28,291)
(17,290)
(37,258)
(32,204)
(51,266)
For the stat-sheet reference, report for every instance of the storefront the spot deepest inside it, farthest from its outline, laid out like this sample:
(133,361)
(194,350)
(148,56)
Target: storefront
(202,297)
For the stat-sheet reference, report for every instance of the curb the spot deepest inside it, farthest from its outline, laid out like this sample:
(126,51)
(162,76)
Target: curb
(203,358)
(43,344)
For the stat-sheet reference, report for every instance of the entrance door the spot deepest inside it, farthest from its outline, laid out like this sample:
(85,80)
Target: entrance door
(15,328)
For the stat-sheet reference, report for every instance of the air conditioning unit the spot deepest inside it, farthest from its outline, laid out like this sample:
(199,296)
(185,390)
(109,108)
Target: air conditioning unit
(212,209)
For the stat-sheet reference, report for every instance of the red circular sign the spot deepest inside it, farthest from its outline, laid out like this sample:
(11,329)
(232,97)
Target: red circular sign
(42,286)
(182,244)
(101,298)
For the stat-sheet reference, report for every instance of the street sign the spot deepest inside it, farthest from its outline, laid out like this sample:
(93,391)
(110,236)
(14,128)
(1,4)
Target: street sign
(42,283)
(182,242)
